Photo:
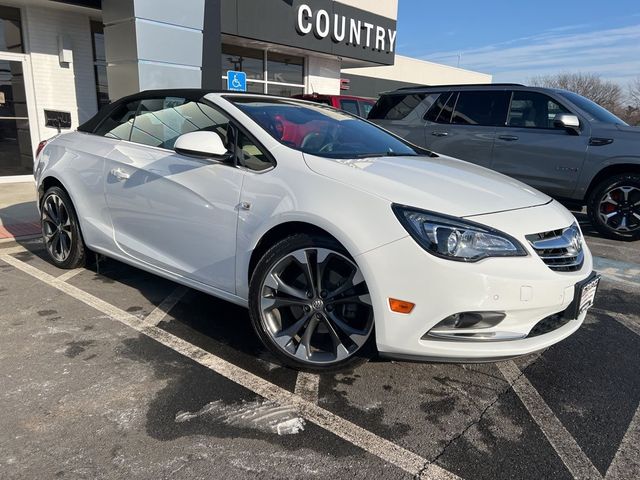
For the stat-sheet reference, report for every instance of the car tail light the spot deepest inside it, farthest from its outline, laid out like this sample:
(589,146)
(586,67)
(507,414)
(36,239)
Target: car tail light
(40,147)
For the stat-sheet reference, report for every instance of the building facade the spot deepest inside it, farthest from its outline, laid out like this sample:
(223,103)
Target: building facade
(61,60)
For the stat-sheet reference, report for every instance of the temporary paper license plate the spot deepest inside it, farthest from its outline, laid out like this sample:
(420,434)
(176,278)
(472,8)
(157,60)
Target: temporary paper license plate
(588,294)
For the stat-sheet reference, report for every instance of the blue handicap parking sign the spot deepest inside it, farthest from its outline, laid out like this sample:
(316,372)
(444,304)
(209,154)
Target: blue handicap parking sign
(236,81)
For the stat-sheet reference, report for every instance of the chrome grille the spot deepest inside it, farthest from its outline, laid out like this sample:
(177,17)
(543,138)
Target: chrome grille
(562,250)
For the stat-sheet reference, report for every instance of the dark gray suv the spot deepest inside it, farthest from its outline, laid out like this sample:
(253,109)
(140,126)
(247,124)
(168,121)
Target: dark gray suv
(556,141)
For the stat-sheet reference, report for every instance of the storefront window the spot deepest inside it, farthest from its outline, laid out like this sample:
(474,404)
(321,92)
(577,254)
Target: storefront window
(285,68)
(100,64)
(284,90)
(10,30)
(16,157)
(243,59)
(284,73)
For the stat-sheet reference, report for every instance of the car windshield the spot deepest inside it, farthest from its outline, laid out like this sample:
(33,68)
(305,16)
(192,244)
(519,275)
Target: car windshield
(596,111)
(320,130)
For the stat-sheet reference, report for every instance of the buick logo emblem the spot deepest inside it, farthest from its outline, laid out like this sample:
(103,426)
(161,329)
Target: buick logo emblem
(317,304)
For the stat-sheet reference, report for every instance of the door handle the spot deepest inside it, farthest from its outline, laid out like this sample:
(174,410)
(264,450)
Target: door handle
(508,138)
(120,174)
(439,134)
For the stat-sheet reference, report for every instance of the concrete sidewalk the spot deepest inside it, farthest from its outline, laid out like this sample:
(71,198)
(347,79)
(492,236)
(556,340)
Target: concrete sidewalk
(18,212)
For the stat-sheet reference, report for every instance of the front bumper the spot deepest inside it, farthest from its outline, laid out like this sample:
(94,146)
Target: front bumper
(523,288)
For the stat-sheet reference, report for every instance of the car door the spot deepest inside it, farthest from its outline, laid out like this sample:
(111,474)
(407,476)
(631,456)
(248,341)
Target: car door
(463,124)
(172,211)
(532,150)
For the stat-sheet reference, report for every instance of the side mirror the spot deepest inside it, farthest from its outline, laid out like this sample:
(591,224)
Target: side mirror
(567,121)
(202,145)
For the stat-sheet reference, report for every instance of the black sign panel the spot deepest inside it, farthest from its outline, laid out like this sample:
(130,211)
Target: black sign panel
(83,3)
(318,25)
(56,119)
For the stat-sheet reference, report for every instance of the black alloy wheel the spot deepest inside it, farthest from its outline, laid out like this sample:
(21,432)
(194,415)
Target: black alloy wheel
(310,305)
(60,230)
(614,207)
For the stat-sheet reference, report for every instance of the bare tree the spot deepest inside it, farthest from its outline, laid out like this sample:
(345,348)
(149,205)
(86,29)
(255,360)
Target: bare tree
(634,93)
(605,93)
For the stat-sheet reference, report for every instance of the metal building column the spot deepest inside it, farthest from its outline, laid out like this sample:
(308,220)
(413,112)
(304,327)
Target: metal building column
(160,44)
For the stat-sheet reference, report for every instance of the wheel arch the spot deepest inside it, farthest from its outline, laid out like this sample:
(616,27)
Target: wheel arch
(46,184)
(609,171)
(277,233)
(52,181)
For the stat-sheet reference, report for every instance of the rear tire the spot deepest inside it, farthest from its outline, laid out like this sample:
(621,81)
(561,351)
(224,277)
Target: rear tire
(310,305)
(614,207)
(61,230)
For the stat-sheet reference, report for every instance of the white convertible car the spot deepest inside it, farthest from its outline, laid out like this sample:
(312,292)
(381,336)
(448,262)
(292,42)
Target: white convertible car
(340,238)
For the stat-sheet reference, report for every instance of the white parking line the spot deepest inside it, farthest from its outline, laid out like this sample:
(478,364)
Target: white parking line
(358,436)
(13,250)
(307,385)
(617,245)
(620,318)
(626,463)
(560,439)
(69,274)
(617,271)
(161,311)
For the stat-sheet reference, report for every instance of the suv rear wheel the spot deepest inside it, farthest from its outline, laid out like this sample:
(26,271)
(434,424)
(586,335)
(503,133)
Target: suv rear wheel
(614,207)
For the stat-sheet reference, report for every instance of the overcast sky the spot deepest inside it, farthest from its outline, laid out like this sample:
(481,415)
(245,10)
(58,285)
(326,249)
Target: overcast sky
(516,40)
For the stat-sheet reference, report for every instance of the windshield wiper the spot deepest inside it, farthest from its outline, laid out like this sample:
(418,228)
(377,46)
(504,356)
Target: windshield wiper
(387,154)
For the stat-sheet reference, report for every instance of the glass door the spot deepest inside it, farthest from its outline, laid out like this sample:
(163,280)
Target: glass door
(16,155)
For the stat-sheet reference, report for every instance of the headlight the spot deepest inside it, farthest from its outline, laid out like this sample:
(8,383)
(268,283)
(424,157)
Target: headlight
(454,238)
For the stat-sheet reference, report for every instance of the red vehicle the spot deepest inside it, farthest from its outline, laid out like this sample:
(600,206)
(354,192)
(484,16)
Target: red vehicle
(360,106)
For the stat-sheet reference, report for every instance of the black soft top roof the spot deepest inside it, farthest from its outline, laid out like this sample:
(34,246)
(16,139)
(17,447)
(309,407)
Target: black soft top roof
(193,94)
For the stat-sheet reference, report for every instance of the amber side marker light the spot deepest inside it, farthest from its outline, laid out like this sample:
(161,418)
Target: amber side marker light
(400,306)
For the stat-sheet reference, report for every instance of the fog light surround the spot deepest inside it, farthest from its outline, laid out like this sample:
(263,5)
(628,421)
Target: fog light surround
(471,326)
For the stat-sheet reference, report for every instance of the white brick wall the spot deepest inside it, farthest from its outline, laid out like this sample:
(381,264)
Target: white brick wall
(386,8)
(323,75)
(60,87)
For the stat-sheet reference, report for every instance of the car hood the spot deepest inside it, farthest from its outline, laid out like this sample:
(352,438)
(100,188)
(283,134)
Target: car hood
(441,184)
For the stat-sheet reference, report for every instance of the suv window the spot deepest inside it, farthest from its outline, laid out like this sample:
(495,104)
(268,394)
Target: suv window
(365,108)
(118,124)
(442,110)
(350,106)
(533,110)
(160,121)
(396,107)
(481,108)
(597,112)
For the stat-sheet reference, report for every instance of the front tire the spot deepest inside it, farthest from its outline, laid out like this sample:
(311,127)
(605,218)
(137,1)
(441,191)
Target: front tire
(614,207)
(61,230)
(310,305)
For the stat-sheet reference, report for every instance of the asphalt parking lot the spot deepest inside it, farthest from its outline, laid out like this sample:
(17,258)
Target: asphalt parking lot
(110,372)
